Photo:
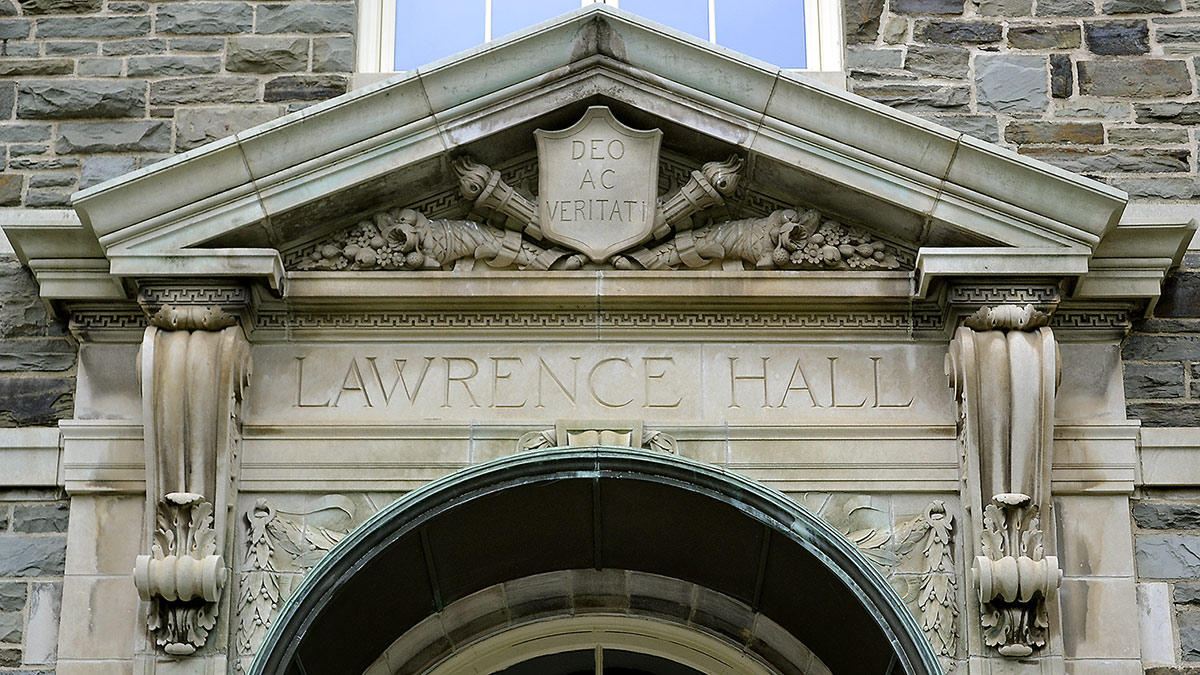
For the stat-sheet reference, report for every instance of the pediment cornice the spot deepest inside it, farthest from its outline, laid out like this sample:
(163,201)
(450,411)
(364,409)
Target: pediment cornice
(243,206)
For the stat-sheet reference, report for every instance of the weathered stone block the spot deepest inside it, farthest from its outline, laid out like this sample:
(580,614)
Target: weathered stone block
(1153,380)
(1166,515)
(1142,78)
(862,20)
(1011,82)
(15,282)
(333,54)
(131,47)
(46,517)
(197,44)
(24,149)
(204,17)
(10,657)
(61,6)
(195,127)
(45,180)
(204,90)
(8,100)
(1180,298)
(93,26)
(1189,635)
(919,97)
(12,625)
(32,556)
(35,401)
(47,198)
(957,32)
(38,354)
(266,55)
(1061,36)
(37,164)
(1092,108)
(306,17)
(1065,8)
(1117,38)
(938,61)
(8,8)
(1147,136)
(64,99)
(128,7)
(304,87)
(1141,6)
(1005,7)
(125,136)
(71,47)
(1123,160)
(979,126)
(20,67)
(14,29)
(99,169)
(173,66)
(1187,592)
(1177,33)
(12,595)
(873,58)
(100,67)
(1062,76)
(1024,133)
(1160,188)
(895,30)
(11,187)
(1168,113)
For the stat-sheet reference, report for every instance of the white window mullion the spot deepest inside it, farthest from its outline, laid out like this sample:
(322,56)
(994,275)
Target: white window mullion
(712,21)
(487,20)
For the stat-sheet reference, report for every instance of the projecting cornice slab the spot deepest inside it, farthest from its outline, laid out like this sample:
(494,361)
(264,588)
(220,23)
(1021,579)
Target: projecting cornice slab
(239,207)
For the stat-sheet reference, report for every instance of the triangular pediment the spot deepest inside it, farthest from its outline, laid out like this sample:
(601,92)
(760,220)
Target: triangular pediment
(257,203)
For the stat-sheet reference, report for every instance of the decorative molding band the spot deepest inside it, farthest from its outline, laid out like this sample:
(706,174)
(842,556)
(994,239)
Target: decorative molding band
(881,320)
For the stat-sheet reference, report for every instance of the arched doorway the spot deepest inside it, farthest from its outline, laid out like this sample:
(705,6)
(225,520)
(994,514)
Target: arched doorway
(646,552)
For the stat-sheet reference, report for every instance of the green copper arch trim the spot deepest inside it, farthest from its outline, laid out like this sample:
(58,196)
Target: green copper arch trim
(764,505)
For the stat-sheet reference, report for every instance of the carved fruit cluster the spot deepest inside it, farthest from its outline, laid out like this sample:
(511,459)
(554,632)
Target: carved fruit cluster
(363,247)
(836,245)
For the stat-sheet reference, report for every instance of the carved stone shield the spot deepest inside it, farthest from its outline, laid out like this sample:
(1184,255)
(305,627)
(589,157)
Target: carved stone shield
(597,184)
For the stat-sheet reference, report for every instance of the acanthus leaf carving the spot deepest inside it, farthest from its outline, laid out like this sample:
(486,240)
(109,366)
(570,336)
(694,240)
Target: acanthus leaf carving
(281,547)
(183,576)
(937,595)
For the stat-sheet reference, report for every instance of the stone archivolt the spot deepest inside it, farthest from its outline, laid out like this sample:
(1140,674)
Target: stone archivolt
(402,239)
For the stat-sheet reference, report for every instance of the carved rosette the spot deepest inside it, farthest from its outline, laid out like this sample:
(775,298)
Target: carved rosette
(194,367)
(1004,369)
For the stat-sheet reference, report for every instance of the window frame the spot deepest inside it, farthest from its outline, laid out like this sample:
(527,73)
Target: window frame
(377,28)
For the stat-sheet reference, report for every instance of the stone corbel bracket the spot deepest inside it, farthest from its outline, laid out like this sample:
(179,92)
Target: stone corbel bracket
(193,367)
(1003,366)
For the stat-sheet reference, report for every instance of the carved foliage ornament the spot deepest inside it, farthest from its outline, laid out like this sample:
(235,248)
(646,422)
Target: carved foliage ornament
(596,208)
(937,595)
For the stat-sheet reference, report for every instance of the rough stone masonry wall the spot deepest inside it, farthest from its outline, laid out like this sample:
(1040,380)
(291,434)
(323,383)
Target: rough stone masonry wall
(92,89)
(33,548)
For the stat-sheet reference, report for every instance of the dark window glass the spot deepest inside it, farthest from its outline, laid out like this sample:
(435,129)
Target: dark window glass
(510,16)
(771,30)
(428,31)
(565,663)
(689,16)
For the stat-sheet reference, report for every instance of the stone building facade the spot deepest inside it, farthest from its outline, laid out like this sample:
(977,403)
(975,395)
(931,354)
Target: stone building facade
(91,91)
